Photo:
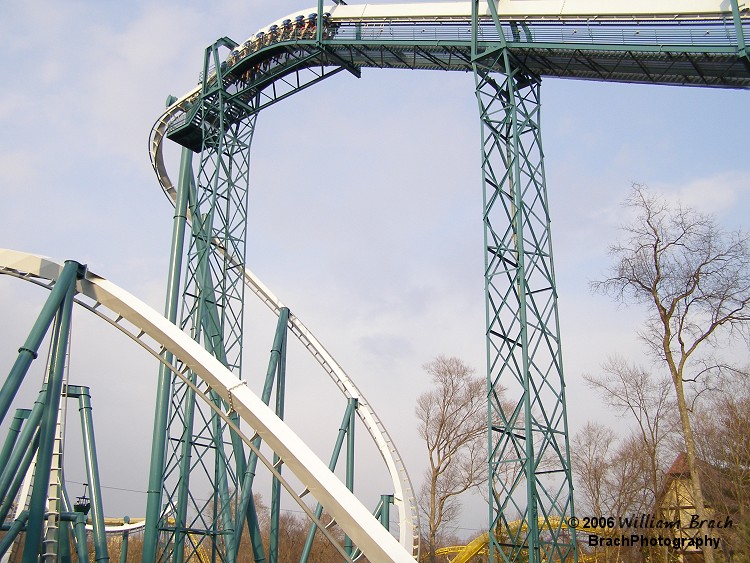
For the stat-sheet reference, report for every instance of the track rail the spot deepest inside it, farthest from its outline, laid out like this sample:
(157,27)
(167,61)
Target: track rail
(157,335)
(131,527)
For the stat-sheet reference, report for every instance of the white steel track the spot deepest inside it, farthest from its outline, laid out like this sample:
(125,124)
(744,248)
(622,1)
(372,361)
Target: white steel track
(436,11)
(155,333)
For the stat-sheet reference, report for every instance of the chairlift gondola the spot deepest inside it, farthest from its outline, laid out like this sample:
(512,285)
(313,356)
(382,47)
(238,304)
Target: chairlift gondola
(82,504)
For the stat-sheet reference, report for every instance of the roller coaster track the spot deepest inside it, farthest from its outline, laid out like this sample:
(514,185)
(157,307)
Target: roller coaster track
(697,42)
(479,545)
(157,335)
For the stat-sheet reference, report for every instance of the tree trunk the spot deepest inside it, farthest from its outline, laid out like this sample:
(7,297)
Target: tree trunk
(675,370)
(695,481)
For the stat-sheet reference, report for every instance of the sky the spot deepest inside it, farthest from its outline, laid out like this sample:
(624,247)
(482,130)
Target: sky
(365,210)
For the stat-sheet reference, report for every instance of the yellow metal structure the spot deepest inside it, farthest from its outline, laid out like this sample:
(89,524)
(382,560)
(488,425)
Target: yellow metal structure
(479,545)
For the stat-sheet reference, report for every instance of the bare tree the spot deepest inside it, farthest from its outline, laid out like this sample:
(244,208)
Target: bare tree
(590,453)
(611,478)
(628,480)
(610,471)
(695,280)
(453,423)
(633,390)
(723,443)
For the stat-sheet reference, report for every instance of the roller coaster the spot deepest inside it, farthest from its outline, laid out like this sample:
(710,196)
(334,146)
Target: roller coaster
(210,428)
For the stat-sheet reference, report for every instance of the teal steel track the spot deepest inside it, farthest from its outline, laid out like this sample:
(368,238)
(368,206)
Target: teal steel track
(698,51)
(690,51)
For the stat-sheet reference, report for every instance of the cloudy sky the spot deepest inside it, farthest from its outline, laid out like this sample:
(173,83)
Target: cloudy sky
(365,206)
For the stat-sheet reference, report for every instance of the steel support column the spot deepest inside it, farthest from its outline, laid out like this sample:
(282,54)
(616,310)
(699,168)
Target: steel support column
(10,536)
(28,352)
(164,385)
(529,458)
(13,431)
(16,460)
(92,472)
(345,429)
(124,542)
(273,550)
(741,45)
(19,462)
(65,555)
(48,426)
(348,545)
(275,374)
(384,514)
(79,531)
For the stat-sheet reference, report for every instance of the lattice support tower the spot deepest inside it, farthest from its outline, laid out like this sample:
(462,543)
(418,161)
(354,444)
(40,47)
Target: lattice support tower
(529,457)
(201,473)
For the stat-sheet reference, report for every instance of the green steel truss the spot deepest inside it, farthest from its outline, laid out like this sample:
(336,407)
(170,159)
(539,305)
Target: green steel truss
(530,480)
(529,461)
(204,461)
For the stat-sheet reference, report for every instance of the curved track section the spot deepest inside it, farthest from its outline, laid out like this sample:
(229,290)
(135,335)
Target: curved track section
(157,334)
(698,42)
(131,527)
(684,42)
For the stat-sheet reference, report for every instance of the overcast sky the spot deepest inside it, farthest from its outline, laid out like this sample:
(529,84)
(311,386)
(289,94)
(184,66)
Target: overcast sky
(365,206)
